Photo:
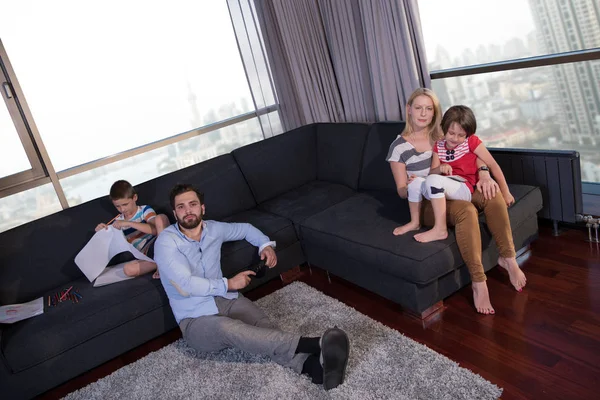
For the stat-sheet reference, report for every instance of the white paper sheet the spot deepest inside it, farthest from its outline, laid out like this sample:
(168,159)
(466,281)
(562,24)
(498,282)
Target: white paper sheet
(112,274)
(104,245)
(457,178)
(17,312)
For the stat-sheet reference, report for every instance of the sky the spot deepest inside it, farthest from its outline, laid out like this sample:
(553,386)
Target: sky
(104,77)
(457,25)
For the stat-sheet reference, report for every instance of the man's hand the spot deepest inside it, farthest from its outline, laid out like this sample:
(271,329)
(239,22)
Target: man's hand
(445,169)
(239,281)
(268,254)
(488,187)
(101,226)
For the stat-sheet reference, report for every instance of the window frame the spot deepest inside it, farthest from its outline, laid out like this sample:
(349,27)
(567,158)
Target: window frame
(11,95)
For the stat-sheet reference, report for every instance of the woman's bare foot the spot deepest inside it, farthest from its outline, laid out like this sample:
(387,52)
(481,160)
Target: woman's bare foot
(517,277)
(156,275)
(481,298)
(431,235)
(411,226)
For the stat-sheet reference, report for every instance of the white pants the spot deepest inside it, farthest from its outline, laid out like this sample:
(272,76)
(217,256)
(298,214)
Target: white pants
(415,190)
(438,186)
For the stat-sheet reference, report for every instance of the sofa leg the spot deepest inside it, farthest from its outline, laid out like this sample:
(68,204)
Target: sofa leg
(435,309)
(309,267)
(291,275)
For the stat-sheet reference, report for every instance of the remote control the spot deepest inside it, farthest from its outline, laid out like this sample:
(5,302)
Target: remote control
(260,269)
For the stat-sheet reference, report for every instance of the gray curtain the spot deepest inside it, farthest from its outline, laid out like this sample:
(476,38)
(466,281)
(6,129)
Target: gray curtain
(343,60)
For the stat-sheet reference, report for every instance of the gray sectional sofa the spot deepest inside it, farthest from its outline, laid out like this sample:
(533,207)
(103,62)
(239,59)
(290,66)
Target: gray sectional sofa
(324,192)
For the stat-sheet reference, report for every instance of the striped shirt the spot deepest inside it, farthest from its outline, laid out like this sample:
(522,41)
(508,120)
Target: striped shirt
(140,240)
(417,163)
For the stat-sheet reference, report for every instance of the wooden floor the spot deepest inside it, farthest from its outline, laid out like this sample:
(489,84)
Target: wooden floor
(543,343)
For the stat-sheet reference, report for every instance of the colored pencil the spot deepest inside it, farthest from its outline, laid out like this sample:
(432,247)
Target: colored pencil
(65,293)
(112,220)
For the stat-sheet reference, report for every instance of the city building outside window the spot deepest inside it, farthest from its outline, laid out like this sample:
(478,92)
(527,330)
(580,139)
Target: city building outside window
(545,107)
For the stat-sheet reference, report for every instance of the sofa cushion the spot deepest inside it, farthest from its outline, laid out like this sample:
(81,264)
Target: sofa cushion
(339,152)
(528,201)
(220,179)
(361,227)
(307,200)
(237,255)
(376,173)
(67,325)
(275,165)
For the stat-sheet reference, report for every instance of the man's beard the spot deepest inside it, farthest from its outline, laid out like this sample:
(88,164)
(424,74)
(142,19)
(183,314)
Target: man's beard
(190,224)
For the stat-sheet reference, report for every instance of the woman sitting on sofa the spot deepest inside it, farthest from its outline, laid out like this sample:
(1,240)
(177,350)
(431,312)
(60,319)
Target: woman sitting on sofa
(410,155)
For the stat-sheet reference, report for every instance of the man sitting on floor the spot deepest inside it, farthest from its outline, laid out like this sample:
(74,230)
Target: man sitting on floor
(210,312)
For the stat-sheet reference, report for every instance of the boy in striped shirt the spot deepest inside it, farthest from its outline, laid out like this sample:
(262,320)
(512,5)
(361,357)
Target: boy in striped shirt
(139,224)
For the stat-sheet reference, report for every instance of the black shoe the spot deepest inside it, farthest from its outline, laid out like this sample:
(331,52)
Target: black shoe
(335,348)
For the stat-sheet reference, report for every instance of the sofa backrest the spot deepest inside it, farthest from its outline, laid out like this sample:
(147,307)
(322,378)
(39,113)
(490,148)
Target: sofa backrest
(339,152)
(220,179)
(376,173)
(39,256)
(281,163)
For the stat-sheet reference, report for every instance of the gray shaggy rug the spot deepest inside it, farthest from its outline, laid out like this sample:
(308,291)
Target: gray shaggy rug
(384,364)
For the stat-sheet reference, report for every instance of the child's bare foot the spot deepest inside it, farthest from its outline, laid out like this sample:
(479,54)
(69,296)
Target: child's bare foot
(481,298)
(156,275)
(517,277)
(431,235)
(411,226)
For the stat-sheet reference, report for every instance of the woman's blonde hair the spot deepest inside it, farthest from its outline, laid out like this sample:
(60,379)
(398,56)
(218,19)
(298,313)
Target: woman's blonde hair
(435,130)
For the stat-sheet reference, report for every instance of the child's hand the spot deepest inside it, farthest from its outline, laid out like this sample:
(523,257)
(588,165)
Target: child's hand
(101,226)
(509,199)
(121,224)
(445,169)
(411,178)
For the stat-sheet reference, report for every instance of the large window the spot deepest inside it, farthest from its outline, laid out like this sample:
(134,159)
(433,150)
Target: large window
(96,182)
(103,82)
(15,160)
(95,92)
(529,69)
(460,33)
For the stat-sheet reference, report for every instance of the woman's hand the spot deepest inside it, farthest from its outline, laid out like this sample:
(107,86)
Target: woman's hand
(403,192)
(488,187)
